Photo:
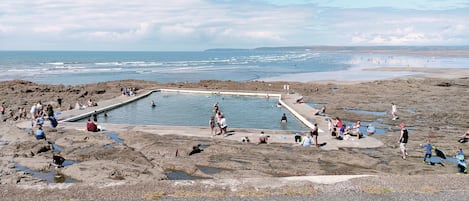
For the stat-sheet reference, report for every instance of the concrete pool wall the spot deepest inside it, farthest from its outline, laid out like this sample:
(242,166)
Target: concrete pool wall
(108,105)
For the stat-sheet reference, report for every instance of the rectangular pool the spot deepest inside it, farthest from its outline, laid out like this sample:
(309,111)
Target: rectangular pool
(190,109)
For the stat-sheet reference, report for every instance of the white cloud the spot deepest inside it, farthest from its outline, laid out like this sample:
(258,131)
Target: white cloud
(47,29)
(6,28)
(201,24)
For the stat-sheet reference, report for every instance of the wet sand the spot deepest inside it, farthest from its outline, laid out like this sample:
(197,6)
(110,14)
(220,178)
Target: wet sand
(433,108)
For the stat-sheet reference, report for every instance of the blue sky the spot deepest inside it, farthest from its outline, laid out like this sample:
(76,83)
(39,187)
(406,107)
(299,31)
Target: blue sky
(179,25)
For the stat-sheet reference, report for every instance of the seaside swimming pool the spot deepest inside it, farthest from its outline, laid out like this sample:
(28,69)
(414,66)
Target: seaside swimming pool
(189,109)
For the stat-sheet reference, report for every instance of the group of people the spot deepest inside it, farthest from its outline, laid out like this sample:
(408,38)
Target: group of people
(130,91)
(18,114)
(217,122)
(339,130)
(404,139)
(460,160)
(308,139)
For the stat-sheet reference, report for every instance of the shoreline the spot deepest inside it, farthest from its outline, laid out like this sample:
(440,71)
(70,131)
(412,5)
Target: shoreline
(366,74)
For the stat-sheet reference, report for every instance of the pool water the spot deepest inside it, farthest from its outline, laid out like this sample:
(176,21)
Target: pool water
(187,109)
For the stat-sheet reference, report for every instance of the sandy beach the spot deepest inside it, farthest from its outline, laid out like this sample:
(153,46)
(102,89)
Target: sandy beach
(433,106)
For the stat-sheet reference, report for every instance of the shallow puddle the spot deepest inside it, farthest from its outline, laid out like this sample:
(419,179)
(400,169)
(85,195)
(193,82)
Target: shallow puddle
(56,148)
(115,137)
(210,170)
(49,177)
(68,163)
(367,112)
(205,146)
(29,131)
(180,175)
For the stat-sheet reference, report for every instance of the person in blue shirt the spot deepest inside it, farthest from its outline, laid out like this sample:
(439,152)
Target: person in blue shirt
(462,166)
(40,134)
(39,120)
(370,129)
(428,150)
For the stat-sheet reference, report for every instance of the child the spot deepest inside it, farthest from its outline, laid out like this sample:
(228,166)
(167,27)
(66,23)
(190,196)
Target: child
(428,150)
(40,134)
(462,166)
(297,137)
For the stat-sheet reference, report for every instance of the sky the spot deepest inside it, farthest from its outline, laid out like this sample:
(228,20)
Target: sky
(194,25)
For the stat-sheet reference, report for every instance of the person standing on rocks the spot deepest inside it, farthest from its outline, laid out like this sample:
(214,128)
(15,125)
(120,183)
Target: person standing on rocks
(211,123)
(33,112)
(95,116)
(314,134)
(59,101)
(394,111)
(403,139)
(2,109)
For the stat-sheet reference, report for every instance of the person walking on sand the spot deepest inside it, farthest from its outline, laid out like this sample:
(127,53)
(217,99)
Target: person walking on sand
(403,139)
(394,111)
(428,150)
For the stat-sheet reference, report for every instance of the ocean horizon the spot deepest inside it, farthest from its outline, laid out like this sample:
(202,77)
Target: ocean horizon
(263,64)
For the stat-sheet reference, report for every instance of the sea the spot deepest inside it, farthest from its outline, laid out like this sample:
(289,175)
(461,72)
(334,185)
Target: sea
(82,67)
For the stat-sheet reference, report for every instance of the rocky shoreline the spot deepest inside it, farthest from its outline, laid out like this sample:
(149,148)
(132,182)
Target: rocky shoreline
(433,108)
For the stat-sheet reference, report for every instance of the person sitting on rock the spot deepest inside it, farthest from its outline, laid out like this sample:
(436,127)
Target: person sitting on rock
(40,120)
(40,133)
(57,161)
(91,126)
(300,100)
(245,139)
(196,150)
(307,141)
(464,137)
(263,139)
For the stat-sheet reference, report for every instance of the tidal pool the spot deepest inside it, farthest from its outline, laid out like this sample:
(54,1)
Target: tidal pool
(189,109)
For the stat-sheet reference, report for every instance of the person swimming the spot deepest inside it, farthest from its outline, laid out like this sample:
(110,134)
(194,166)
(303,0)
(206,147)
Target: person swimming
(153,104)
(284,118)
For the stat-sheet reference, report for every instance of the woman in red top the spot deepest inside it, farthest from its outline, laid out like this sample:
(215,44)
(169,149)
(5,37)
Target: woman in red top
(91,126)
